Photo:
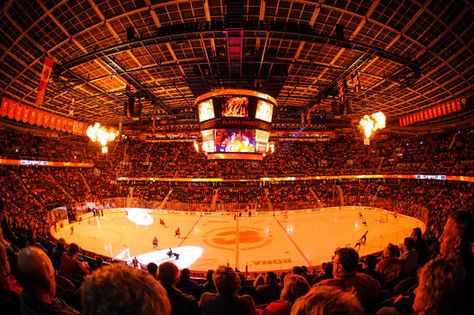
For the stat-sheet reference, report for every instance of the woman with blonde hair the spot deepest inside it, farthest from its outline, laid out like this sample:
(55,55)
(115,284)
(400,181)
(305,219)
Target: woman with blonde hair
(326,300)
(294,286)
(440,288)
(259,280)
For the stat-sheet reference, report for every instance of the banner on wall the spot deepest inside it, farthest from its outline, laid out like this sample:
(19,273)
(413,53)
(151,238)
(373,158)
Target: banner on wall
(4,107)
(46,119)
(356,82)
(59,123)
(439,110)
(34,116)
(47,68)
(302,178)
(26,114)
(342,97)
(32,119)
(18,111)
(44,163)
(65,125)
(39,118)
(52,122)
(70,126)
(11,110)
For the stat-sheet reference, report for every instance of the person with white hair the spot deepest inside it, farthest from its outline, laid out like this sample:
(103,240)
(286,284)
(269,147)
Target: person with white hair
(36,273)
(324,300)
(226,301)
(118,289)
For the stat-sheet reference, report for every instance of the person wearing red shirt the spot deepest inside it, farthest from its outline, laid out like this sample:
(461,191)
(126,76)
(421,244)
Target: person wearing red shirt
(226,301)
(390,266)
(346,276)
(70,266)
(294,287)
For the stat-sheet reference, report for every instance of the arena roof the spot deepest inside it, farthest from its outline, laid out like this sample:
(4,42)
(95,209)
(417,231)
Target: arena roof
(410,55)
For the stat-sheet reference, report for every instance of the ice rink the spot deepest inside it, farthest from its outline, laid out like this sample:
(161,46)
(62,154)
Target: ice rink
(262,242)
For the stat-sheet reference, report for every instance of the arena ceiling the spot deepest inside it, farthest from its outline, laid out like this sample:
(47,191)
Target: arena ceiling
(410,55)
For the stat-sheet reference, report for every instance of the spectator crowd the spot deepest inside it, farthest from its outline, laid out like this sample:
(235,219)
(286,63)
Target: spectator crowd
(430,273)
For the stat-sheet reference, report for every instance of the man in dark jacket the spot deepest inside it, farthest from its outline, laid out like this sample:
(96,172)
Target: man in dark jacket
(186,284)
(226,301)
(181,303)
(270,291)
(57,252)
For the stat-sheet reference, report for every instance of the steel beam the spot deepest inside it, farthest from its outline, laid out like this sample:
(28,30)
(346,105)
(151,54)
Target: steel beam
(135,83)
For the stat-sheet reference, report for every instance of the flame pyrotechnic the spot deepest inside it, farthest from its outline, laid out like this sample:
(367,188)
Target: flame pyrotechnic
(372,123)
(98,133)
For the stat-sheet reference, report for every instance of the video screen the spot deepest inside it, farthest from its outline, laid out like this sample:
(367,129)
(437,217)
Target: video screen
(262,136)
(206,110)
(208,140)
(261,147)
(235,140)
(208,146)
(235,107)
(264,111)
(207,135)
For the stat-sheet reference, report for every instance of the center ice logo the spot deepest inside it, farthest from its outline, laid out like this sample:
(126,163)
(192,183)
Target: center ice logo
(226,238)
(229,237)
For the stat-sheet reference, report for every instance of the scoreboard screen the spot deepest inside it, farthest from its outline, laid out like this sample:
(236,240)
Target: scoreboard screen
(264,111)
(206,110)
(235,106)
(234,140)
(232,105)
(235,124)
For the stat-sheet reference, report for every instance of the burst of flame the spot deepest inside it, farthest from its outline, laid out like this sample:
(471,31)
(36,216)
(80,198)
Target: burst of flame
(98,133)
(372,123)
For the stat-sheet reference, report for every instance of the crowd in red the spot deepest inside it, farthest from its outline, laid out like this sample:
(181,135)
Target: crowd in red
(28,192)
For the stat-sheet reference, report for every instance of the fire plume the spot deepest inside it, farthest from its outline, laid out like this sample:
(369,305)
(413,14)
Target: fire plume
(372,123)
(98,133)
